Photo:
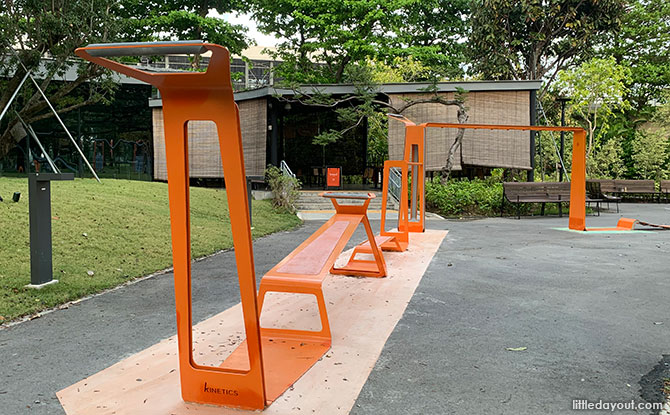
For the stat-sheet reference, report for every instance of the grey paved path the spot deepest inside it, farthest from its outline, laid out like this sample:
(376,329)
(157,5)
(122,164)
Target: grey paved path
(583,305)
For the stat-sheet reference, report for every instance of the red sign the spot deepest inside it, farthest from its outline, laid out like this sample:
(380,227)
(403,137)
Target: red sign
(333,177)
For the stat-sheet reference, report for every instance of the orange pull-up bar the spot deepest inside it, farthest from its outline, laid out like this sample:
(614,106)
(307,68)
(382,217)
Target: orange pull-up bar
(577,183)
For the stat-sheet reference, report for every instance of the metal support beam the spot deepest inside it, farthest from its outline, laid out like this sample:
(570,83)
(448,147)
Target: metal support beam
(533,120)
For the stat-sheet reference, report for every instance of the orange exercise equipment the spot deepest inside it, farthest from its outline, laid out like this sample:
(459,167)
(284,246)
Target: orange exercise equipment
(288,353)
(202,96)
(414,155)
(415,134)
(414,138)
(397,240)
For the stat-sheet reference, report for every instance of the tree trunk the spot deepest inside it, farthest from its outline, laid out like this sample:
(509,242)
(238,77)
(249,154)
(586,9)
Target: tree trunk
(457,144)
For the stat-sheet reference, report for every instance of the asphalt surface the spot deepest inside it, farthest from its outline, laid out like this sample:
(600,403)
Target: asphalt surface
(592,311)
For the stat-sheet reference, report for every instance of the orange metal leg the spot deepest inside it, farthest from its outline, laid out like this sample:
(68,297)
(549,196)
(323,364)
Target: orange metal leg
(361,267)
(396,241)
(578,182)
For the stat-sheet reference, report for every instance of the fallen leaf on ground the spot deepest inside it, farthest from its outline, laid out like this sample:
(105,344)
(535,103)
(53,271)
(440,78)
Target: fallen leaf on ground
(516,349)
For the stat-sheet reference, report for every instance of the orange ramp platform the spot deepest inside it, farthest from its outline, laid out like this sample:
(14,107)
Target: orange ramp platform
(148,382)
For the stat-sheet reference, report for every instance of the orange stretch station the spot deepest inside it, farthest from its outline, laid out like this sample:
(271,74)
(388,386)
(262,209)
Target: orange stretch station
(412,207)
(270,360)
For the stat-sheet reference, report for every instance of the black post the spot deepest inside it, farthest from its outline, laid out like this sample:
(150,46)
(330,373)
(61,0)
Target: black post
(563,100)
(39,191)
(533,118)
(251,223)
(274,134)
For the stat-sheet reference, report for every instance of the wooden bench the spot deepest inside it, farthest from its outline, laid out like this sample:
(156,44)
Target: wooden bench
(636,189)
(603,189)
(665,190)
(544,192)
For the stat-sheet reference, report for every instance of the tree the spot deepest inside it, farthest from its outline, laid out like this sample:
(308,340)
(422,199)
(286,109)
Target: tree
(432,32)
(147,20)
(532,39)
(324,38)
(52,29)
(662,116)
(596,88)
(651,154)
(642,42)
(47,33)
(607,163)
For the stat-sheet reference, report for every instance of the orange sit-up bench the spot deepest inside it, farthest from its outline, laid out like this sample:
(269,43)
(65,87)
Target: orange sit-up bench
(292,352)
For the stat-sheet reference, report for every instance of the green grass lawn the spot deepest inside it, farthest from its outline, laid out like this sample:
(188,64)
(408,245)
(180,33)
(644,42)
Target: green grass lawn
(119,229)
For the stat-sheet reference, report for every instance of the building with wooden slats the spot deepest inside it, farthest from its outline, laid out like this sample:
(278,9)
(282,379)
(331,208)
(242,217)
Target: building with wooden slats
(276,126)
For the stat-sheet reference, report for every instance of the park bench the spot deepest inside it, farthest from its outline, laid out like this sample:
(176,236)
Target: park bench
(636,189)
(665,190)
(603,189)
(545,192)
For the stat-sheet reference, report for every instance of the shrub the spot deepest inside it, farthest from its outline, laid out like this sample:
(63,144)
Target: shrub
(651,154)
(284,189)
(464,197)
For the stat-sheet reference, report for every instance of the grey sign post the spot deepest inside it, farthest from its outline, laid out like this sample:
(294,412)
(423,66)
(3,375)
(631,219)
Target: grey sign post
(39,192)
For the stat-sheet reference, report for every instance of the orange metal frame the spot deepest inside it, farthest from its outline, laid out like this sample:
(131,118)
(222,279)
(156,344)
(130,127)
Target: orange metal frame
(270,360)
(415,134)
(205,96)
(398,240)
(359,267)
(414,154)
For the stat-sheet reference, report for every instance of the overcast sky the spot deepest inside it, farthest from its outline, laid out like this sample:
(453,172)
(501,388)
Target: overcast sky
(245,19)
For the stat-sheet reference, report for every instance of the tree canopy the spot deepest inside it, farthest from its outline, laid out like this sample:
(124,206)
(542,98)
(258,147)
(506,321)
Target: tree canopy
(323,38)
(532,39)
(642,42)
(44,36)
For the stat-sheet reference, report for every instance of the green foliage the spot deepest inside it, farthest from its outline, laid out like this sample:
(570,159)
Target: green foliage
(662,116)
(531,39)
(651,154)
(378,148)
(324,38)
(146,20)
(596,88)
(352,179)
(642,43)
(400,69)
(464,197)
(607,161)
(120,230)
(430,32)
(54,28)
(285,189)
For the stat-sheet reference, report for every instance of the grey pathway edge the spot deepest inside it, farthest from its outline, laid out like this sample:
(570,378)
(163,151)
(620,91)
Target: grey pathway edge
(585,306)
